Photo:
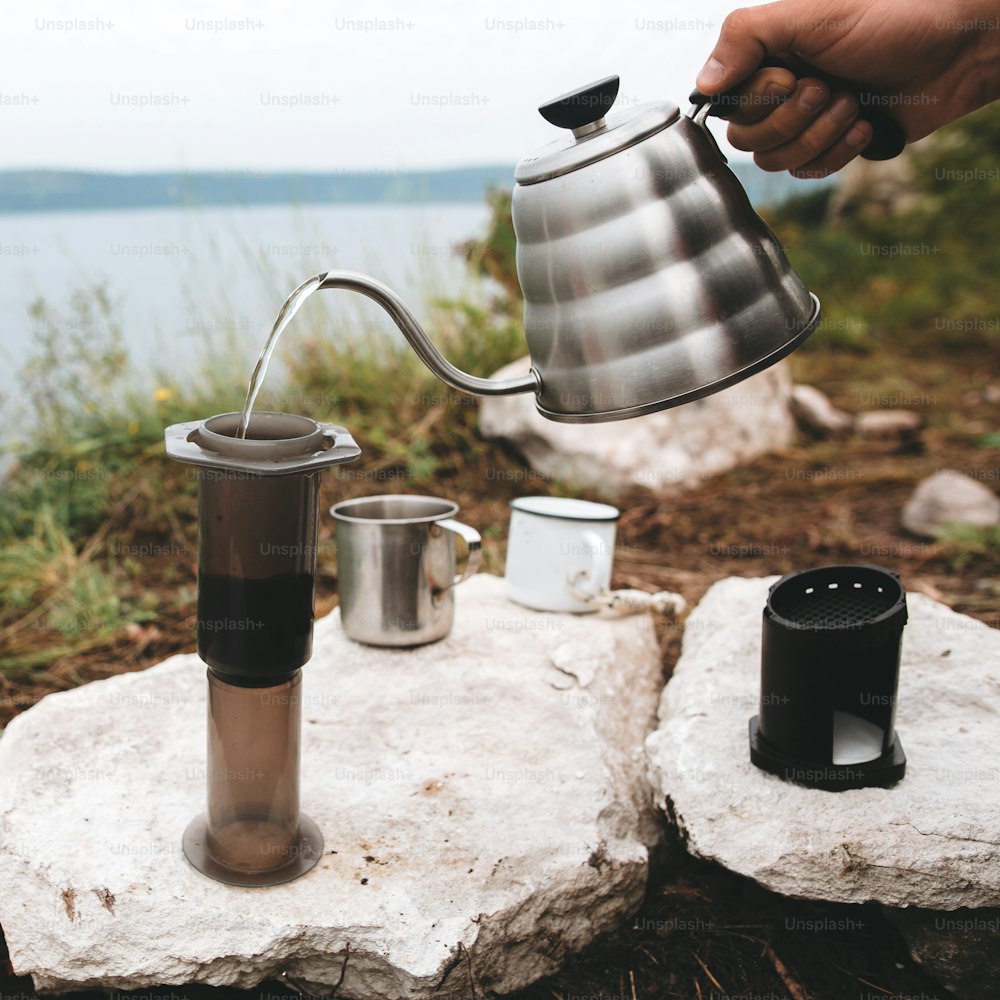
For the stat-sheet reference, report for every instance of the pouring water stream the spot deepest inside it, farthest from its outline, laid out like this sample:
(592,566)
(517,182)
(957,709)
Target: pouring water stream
(288,309)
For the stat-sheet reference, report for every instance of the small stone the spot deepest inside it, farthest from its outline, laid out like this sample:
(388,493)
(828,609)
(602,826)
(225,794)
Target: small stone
(815,413)
(931,840)
(888,423)
(462,796)
(949,497)
(666,452)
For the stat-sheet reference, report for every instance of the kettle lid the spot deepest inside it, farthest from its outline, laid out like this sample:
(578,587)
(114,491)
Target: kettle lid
(595,134)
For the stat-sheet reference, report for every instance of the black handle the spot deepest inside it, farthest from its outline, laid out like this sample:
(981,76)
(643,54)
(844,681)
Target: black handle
(581,106)
(888,137)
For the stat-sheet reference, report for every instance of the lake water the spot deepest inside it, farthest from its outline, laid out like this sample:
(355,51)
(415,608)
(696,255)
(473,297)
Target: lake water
(180,278)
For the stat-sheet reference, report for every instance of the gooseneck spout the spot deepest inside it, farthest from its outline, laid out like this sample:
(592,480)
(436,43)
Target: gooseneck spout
(420,342)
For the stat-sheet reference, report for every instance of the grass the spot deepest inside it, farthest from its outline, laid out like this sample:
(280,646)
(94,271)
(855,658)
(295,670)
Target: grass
(967,545)
(919,280)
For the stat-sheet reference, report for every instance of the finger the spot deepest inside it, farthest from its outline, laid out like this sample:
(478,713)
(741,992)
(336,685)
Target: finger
(747,36)
(851,144)
(816,140)
(765,91)
(784,124)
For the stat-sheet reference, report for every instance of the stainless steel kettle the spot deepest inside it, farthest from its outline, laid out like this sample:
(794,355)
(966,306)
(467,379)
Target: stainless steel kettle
(648,278)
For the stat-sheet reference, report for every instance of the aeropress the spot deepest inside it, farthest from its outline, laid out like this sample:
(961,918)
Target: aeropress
(258,513)
(830,658)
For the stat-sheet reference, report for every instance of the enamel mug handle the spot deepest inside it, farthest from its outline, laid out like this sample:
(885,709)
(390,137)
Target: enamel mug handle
(585,582)
(473,541)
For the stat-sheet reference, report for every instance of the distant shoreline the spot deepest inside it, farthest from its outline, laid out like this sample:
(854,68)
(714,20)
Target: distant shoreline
(39,191)
(29,191)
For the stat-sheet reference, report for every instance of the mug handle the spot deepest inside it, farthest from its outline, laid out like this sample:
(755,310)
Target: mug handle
(601,556)
(473,541)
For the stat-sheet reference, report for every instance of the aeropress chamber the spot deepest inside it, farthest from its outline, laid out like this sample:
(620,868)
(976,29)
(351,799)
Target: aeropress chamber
(258,515)
(830,655)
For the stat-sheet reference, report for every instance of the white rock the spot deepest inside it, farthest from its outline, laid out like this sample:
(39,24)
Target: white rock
(888,423)
(814,412)
(948,497)
(875,188)
(502,797)
(932,840)
(665,452)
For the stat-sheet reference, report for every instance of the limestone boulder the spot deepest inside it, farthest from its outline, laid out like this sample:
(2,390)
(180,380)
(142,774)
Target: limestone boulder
(666,452)
(932,840)
(483,802)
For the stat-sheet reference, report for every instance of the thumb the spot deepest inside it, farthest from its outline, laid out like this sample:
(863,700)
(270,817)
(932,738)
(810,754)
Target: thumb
(747,36)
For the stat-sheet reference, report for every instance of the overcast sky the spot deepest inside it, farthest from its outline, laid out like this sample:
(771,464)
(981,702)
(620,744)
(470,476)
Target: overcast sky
(323,85)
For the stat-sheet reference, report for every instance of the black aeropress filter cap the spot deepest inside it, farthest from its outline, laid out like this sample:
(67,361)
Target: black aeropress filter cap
(830,656)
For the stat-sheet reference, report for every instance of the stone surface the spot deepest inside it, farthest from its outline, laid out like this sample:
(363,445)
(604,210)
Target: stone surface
(665,452)
(888,423)
(932,840)
(960,949)
(815,413)
(949,497)
(875,189)
(483,800)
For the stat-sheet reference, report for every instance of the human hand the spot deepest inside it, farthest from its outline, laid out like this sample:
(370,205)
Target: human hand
(927,62)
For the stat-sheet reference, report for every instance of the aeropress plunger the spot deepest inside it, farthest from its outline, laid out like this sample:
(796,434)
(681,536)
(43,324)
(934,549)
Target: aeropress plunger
(258,510)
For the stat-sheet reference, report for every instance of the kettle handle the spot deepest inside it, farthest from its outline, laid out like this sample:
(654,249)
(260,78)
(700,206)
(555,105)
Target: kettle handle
(421,343)
(888,137)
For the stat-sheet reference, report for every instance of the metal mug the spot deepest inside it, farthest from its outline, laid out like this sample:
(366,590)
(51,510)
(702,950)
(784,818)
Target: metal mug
(396,567)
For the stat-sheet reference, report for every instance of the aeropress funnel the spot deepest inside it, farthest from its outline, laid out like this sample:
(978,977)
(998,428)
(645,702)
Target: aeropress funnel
(829,673)
(258,515)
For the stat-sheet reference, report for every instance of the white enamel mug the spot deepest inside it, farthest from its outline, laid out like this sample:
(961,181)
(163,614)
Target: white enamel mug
(559,552)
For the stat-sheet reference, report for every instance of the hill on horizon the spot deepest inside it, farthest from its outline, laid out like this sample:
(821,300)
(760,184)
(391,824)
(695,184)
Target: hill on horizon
(70,190)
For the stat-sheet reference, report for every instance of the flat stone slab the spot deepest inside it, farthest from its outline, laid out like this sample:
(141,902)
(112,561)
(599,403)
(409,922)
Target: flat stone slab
(483,801)
(932,840)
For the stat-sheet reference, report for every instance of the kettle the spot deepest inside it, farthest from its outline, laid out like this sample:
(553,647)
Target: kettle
(648,279)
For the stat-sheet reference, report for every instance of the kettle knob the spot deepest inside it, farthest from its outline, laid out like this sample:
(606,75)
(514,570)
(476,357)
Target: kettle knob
(581,107)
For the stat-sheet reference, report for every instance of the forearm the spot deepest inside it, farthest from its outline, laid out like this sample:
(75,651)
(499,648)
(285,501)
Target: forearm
(976,76)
